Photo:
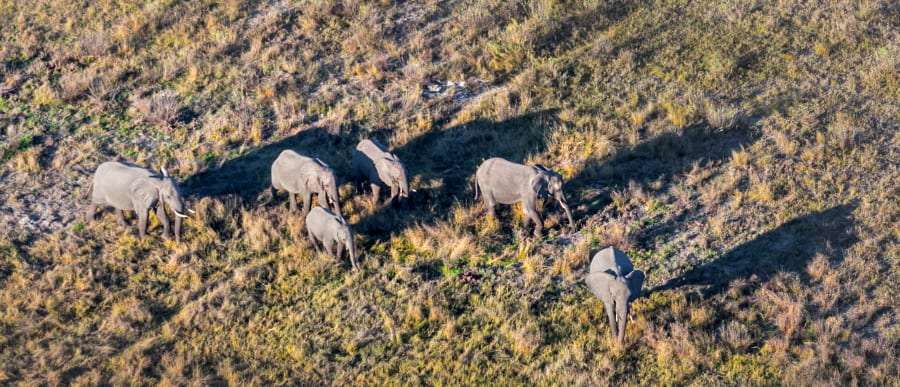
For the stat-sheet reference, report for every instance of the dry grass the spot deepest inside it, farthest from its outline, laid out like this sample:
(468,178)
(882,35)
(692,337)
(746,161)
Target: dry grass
(743,153)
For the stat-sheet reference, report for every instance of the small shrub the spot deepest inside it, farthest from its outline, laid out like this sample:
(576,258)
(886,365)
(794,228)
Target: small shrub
(28,161)
(720,116)
(44,96)
(159,109)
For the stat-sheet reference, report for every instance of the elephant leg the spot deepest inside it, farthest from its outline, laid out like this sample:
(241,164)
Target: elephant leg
(394,192)
(340,250)
(532,215)
(90,212)
(376,192)
(161,214)
(177,229)
(312,239)
(329,247)
(120,217)
(622,318)
(293,200)
(142,222)
(307,201)
(489,203)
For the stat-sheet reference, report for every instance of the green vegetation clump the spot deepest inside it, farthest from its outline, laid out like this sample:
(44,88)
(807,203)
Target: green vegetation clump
(743,152)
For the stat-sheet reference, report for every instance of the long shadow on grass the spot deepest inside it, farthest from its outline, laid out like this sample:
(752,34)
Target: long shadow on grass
(788,248)
(656,160)
(248,175)
(445,161)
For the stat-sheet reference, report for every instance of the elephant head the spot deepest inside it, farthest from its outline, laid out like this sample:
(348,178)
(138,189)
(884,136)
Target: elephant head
(549,183)
(152,191)
(616,292)
(326,188)
(395,174)
(345,238)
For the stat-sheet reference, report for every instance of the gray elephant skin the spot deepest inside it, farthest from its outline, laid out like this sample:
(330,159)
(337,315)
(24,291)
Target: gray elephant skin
(373,163)
(505,182)
(612,278)
(305,176)
(129,188)
(331,231)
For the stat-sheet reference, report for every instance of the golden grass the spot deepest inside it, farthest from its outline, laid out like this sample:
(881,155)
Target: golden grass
(691,134)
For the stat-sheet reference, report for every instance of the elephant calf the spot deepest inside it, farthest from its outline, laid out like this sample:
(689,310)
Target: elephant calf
(506,182)
(305,176)
(129,188)
(613,279)
(323,226)
(381,168)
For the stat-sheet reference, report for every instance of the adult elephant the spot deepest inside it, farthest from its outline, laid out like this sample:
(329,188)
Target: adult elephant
(372,162)
(129,188)
(505,182)
(612,278)
(305,176)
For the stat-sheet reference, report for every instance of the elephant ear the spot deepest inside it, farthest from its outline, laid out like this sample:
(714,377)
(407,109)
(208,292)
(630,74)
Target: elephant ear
(538,184)
(143,193)
(311,181)
(384,168)
(635,283)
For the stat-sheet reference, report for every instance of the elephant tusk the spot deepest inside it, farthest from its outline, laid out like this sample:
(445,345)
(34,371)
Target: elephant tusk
(191,211)
(180,215)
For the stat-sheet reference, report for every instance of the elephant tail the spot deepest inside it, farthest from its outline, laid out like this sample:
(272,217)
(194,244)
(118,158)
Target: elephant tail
(476,189)
(87,193)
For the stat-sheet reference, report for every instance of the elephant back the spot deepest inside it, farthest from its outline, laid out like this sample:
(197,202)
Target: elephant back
(371,148)
(112,183)
(611,259)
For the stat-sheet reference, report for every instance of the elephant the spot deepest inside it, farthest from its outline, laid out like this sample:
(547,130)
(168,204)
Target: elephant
(126,188)
(506,182)
(612,278)
(381,168)
(329,229)
(305,176)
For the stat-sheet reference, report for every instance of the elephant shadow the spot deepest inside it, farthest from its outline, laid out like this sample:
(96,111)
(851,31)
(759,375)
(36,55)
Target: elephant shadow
(652,164)
(249,175)
(788,248)
(443,162)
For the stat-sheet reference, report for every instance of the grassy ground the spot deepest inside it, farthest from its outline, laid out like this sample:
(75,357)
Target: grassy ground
(744,153)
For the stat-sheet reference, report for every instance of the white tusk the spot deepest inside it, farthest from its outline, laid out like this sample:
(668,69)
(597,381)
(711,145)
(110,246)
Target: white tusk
(163,170)
(180,215)
(412,190)
(191,211)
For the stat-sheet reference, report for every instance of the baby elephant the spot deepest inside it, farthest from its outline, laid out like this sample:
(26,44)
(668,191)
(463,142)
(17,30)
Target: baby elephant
(381,168)
(305,176)
(323,226)
(506,182)
(613,279)
(129,188)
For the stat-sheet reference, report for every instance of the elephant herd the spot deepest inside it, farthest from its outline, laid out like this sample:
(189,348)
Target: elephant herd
(125,187)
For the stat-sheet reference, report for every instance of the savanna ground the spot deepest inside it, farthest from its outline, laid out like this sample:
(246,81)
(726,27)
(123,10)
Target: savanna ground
(744,153)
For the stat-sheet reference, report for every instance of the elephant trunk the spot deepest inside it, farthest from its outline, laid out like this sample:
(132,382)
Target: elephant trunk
(333,198)
(562,202)
(622,319)
(178,207)
(404,186)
